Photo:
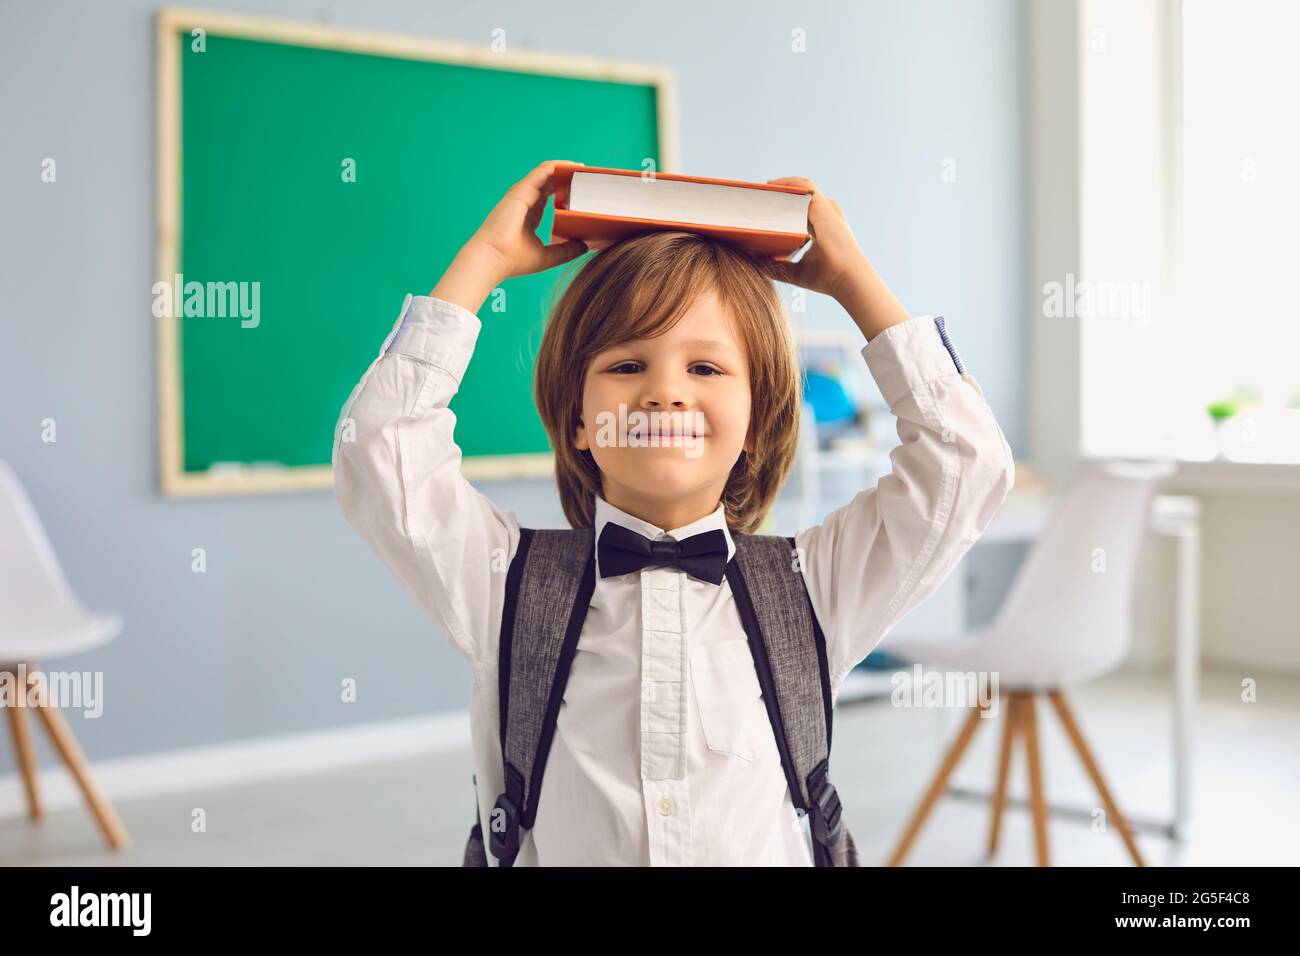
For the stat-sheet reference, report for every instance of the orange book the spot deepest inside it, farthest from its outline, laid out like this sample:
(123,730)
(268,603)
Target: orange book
(597,203)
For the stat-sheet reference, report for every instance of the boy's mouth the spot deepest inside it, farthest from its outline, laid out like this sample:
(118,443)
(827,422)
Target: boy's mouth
(657,429)
(664,433)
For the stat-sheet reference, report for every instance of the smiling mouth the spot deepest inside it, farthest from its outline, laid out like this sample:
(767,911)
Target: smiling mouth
(663,435)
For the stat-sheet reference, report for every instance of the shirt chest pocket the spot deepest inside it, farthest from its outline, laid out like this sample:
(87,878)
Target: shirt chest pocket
(728,695)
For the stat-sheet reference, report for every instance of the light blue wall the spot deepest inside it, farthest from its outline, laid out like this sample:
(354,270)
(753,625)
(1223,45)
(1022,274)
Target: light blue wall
(292,602)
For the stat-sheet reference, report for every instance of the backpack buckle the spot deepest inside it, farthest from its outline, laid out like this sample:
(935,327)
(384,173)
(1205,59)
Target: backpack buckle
(825,812)
(505,841)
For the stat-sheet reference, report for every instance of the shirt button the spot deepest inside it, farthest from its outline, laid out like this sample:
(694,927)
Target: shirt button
(666,806)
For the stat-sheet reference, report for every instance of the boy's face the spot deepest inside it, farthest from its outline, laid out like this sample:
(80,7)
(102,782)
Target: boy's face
(686,391)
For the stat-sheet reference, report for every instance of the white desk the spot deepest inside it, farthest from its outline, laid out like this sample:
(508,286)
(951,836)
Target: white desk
(1020,519)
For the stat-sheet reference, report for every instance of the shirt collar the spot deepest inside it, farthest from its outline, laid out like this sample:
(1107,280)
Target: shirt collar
(605,512)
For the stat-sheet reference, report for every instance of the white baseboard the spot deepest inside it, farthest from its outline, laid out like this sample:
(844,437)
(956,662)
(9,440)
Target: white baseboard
(245,761)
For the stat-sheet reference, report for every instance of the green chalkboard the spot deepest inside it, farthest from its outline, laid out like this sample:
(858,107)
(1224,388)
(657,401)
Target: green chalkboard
(337,173)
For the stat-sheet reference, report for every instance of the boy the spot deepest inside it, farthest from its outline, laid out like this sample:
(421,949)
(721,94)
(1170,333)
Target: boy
(663,750)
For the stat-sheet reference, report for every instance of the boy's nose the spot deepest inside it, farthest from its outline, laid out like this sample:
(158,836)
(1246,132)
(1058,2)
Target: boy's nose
(664,394)
(675,405)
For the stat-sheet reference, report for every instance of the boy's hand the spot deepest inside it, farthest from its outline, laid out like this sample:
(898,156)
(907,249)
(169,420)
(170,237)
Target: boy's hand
(510,230)
(836,266)
(506,244)
(834,252)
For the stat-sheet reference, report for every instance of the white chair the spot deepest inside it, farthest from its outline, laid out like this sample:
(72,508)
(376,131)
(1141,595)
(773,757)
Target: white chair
(40,618)
(1065,621)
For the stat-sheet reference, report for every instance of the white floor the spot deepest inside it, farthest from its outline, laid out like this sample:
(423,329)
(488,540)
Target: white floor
(418,811)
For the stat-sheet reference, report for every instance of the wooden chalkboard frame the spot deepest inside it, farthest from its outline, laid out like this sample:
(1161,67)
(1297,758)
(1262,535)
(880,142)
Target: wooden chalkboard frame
(171,22)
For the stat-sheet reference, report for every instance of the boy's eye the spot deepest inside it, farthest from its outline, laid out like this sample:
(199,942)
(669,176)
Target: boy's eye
(626,368)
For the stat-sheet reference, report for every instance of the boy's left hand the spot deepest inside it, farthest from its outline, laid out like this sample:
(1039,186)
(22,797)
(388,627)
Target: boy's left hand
(834,255)
(836,266)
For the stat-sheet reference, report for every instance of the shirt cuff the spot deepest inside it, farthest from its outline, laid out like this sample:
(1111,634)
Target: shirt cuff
(906,356)
(435,331)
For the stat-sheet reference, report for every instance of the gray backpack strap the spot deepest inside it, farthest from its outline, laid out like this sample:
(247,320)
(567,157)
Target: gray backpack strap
(789,651)
(548,590)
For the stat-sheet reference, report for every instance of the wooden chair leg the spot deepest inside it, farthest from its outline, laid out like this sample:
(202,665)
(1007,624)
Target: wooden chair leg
(70,751)
(1094,771)
(1009,730)
(1038,804)
(22,737)
(937,787)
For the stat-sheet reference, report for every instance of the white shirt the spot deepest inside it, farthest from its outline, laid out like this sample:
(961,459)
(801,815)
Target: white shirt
(663,752)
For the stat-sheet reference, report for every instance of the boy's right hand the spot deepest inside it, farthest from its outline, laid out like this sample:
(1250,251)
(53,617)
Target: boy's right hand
(507,244)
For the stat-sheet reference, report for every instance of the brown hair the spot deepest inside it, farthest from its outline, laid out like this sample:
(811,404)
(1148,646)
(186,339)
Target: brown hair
(638,288)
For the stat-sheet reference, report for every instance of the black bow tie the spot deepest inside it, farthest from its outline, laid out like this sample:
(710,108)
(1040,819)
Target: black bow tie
(702,556)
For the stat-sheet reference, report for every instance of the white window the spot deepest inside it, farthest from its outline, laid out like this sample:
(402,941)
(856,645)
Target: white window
(1189,230)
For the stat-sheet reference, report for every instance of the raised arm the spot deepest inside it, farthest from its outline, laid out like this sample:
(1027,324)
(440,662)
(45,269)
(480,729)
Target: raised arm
(397,473)
(876,558)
